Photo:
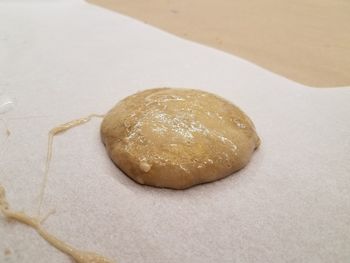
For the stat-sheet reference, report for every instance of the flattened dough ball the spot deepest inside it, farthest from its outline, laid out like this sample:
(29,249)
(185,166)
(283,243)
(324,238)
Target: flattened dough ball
(177,138)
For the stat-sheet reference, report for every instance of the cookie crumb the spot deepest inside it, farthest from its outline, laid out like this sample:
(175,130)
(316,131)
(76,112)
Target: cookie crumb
(145,167)
(7,252)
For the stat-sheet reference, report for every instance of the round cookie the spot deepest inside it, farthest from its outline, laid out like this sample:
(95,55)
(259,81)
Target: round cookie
(177,138)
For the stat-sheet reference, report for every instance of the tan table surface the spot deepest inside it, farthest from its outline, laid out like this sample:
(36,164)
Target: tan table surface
(303,40)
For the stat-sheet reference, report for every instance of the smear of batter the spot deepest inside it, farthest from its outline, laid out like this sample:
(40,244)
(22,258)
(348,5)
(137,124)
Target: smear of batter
(7,131)
(7,252)
(35,222)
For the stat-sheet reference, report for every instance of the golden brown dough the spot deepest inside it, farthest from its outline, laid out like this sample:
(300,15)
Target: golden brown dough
(178,138)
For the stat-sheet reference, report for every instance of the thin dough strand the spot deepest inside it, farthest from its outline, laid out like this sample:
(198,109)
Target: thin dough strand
(79,256)
(61,128)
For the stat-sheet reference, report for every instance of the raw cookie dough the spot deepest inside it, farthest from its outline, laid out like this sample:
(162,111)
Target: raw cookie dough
(177,138)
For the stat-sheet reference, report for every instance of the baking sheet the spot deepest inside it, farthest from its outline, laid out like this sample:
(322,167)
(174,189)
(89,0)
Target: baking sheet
(61,60)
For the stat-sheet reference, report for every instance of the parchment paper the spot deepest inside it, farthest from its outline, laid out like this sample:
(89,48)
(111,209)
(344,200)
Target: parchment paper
(61,60)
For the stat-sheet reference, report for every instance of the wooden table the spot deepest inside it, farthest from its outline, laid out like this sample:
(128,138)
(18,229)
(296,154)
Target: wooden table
(303,40)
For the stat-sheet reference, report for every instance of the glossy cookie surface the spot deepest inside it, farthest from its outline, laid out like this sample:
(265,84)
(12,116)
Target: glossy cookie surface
(177,138)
